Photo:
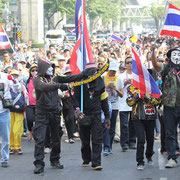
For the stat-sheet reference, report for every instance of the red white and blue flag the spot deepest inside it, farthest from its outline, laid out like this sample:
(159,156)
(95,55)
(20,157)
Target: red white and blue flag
(75,61)
(73,31)
(4,40)
(142,79)
(116,37)
(172,24)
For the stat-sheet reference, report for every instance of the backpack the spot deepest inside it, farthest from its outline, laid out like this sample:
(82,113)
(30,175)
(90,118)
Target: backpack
(18,101)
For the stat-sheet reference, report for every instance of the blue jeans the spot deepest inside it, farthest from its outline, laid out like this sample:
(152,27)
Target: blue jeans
(108,134)
(25,125)
(113,126)
(128,135)
(158,126)
(171,120)
(106,137)
(5,126)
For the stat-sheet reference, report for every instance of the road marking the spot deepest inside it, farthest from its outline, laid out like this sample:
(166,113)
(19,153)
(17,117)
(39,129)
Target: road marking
(161,161)
(163,178)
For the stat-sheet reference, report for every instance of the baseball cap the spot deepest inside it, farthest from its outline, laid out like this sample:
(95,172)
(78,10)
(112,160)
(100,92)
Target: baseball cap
(113,66)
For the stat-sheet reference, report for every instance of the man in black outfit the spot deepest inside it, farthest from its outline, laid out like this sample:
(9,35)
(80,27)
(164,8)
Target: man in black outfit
(48,113)
(94,99)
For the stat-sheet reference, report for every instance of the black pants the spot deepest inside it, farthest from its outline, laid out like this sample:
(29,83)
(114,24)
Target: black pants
(47,142)
(30,115)
(163,136)
(95,132)
(39,131)
(68,115)
(144,131)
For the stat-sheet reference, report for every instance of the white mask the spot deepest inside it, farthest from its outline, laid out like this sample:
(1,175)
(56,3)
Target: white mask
(175,57)
(49,71)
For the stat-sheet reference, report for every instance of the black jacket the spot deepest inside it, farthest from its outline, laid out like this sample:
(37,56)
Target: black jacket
(93,103)
(47,93)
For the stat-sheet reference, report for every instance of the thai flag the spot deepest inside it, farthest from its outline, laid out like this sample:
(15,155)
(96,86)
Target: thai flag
(142,79)
(172,23)
(4,40)
(75,61)
(73,31)
(116,37)
(16,47)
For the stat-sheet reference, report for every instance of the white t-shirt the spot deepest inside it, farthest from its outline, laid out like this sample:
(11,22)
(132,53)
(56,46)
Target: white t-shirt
(122,101)
(7,95)
(113,95)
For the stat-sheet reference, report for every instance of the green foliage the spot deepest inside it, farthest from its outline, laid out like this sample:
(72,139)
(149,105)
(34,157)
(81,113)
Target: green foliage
(53,6)
(2,5)
(176,3)
(157,13)
(107,10)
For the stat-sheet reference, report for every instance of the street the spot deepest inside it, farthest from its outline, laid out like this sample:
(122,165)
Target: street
(118,166)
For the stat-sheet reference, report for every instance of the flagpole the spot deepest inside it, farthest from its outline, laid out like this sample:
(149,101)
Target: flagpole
(82,54)
(8,39)
(160,25)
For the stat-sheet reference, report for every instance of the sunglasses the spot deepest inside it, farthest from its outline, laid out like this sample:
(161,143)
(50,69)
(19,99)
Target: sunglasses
(129,62)
(100,64)
(34,70)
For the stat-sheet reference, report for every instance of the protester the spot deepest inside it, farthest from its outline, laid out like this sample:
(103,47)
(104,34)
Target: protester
(95,99)
(48,113)
(128,137)
(171,99)
(17,116)
(5,120)
(30,110)
(114,87)
(68,111)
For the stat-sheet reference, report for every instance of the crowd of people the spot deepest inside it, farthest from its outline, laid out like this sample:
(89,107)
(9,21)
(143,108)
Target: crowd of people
(38,83)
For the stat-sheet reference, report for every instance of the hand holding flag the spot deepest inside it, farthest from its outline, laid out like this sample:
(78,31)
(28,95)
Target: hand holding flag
(142,79)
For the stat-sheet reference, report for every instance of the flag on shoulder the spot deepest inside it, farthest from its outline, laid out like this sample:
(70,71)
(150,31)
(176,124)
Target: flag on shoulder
(4,40)
(76,62)
(142,79)
(172,24)
(116,37)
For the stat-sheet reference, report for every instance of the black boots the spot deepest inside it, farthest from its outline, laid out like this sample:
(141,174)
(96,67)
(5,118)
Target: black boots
(38,169)
(57,165)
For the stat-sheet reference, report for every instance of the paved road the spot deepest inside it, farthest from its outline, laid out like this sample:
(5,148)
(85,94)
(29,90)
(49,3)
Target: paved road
(118,166)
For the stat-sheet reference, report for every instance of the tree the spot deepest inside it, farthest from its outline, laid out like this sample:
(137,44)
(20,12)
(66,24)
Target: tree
(176,3)
(53,6)
(3,3)
(107,10)
(156,13)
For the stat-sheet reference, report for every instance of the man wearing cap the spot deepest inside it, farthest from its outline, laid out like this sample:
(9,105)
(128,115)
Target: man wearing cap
(62,64)
(68,110)
(100,62)
(114,87)
(17,116)
(170,98)
(94,99)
